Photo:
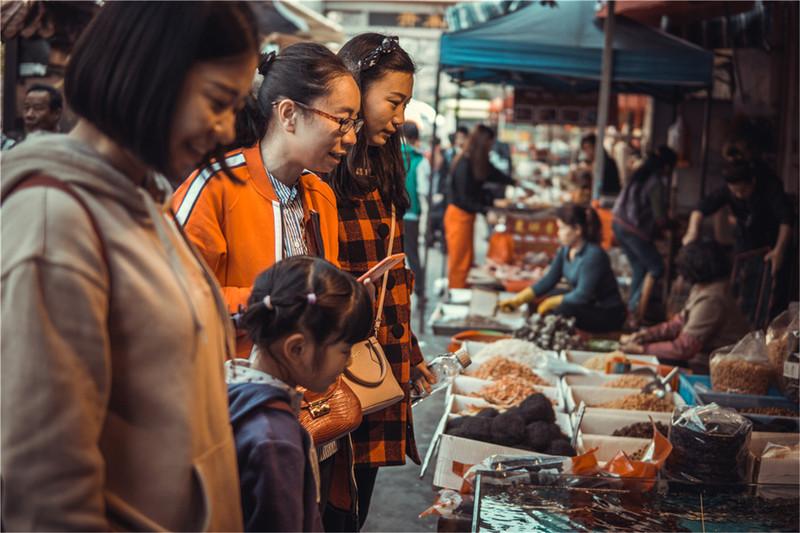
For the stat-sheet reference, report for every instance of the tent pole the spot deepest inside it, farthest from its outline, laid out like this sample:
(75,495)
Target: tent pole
(425,249)
(458,101)
(704,142)
(604,99)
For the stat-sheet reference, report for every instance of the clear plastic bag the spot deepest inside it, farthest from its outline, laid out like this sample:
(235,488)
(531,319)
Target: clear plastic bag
(781,345)
(710,444)
(743,368)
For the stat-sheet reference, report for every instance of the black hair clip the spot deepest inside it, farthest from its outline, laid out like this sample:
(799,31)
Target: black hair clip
(266,62)
(387,46)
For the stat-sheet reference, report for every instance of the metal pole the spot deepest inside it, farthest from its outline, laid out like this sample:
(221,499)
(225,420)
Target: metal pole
(705,139)
(425,249)
(604,99)
(458,101)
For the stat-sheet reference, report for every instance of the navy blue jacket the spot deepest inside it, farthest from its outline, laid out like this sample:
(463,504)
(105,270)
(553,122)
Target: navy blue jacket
(278,487)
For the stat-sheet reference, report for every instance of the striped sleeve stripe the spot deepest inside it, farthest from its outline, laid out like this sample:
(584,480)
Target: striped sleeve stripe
(199,183)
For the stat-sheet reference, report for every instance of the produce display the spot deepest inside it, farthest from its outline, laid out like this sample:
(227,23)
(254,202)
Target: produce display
(639,402)
(709,444)
(516,350)
(629,381)
(531,426)
(508,391)
(732,374)
(598,362)
(641,430)
(498,367)
(550,332)
(475,322)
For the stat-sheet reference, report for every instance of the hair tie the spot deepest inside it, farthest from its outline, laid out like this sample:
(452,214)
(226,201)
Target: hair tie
(268,302)
(266,62)
(312,298)
(388,45)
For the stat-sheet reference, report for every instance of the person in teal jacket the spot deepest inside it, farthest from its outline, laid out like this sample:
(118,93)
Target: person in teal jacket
(418,173)
(593,296)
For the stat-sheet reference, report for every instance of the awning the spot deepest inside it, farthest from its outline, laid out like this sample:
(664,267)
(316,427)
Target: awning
(562,46)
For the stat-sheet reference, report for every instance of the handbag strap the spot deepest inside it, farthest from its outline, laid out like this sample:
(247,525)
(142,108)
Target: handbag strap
(382,298)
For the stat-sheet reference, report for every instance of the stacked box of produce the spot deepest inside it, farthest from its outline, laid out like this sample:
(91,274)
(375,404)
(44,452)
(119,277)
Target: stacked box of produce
(530,427)
(615,431)
(608,398)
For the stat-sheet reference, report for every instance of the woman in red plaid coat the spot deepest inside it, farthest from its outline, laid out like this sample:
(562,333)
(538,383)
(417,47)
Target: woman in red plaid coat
(370,188)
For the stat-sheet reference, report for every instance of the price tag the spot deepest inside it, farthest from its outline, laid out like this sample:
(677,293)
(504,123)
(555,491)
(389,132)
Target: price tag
(791,370)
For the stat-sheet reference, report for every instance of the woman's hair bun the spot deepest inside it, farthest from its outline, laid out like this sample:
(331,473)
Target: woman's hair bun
(266,62)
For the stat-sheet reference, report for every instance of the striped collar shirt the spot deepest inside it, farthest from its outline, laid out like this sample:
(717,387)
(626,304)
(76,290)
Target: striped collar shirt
(294,242)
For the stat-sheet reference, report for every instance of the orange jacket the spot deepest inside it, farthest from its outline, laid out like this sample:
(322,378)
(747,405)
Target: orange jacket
(237,227)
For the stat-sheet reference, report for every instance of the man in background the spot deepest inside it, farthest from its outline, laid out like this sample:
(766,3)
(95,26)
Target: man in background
(41,109)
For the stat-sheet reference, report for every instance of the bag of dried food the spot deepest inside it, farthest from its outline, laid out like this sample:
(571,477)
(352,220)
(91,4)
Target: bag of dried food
(743,368)
(710,444)
(781,335)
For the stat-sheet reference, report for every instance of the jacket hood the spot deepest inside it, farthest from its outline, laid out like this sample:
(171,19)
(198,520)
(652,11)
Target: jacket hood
(77,163)
(244,398)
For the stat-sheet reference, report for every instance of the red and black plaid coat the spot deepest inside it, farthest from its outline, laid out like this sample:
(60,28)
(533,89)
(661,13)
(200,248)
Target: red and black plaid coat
(385,437)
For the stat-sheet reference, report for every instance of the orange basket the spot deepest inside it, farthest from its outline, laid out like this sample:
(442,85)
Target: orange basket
(482,335)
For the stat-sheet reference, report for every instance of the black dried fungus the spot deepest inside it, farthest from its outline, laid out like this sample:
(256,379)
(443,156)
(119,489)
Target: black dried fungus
(477,428)
(454,423)
(561,447)
(641,430)
(537,407)
(508,429)
(539,435)
(709,444)
(488,412)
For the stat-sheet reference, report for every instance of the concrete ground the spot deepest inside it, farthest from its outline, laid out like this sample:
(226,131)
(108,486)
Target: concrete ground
(400,494)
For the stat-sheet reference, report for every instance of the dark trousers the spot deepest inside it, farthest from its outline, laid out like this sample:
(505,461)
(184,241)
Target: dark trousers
(643,257)
(411,248)
(592,318)
(338,520)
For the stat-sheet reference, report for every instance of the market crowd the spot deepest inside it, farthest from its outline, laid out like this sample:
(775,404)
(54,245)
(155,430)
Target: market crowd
(180,280)
(186,274)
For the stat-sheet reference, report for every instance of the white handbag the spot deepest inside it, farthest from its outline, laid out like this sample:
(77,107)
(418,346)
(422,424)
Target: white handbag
(369,373)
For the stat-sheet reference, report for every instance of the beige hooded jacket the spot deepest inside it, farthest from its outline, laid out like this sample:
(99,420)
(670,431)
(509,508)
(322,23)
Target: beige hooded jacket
(114,408)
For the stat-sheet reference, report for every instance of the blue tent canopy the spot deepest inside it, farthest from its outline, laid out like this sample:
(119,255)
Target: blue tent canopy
(561,47)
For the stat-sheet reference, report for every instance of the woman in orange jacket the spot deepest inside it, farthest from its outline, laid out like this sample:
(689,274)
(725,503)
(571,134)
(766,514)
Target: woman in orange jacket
(302,118)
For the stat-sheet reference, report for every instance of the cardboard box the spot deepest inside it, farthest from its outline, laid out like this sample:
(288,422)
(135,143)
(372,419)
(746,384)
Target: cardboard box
(591,380)
(456,455)
(606,421)
(608,447)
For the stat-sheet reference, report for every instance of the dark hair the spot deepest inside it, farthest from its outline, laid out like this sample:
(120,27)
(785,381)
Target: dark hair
(479,161)
(128,68)
(589,138)
(56,101)
(302,72)
(365,163)
(739,171)
(340,309)
(584,217)
(462,129)
(662,157)
(703,262)
(410,131)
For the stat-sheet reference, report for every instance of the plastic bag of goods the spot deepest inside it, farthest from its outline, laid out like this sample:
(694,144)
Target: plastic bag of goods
(743,369)
(710,444)
(781,341)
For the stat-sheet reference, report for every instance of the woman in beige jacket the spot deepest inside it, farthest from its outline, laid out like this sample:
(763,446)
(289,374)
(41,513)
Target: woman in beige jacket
(114,410)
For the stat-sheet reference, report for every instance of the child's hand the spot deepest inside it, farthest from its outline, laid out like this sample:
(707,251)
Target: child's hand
(423,378)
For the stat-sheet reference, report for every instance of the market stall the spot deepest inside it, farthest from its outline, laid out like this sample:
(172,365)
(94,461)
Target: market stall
(618,451)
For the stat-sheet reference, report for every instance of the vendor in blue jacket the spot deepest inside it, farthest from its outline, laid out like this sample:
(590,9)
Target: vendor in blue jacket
(593,297)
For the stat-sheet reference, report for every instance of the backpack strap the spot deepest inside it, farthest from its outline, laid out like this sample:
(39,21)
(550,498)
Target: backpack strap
(43,180)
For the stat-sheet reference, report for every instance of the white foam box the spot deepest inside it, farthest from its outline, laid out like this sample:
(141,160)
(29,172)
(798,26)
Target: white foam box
(550,378)
(593,396)
(455,451)
(777,470)
(580,357)
(592,380)
(607,421)
(468,385)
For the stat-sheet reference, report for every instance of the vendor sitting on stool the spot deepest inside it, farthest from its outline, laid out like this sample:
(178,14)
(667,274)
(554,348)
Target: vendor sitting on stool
(709,320)
(593,298)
